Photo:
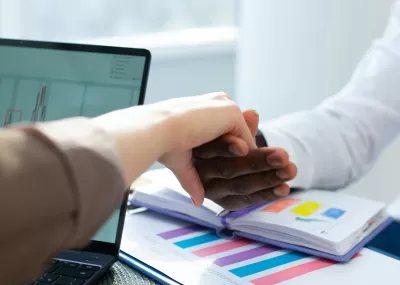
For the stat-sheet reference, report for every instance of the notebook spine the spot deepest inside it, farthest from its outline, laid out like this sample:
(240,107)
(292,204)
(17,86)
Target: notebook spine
(225,233)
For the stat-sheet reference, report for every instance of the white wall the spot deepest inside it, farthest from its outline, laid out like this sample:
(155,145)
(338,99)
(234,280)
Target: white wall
(188,76)
(292,54)
(185,62)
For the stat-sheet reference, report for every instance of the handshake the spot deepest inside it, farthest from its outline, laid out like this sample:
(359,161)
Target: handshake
(210,145)
(235,180)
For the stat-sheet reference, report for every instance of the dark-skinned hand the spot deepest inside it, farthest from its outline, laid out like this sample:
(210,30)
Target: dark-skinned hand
(236,178)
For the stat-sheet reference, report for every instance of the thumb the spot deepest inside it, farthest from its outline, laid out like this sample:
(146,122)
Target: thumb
(252,119)
(190,182)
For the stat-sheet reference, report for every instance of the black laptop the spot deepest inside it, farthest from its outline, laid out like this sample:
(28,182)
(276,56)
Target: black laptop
(43,81)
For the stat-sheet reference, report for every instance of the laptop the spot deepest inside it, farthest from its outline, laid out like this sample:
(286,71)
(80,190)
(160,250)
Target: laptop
(44,81)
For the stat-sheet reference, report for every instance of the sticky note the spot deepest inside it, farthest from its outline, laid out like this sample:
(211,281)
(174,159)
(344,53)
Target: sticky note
(333,213)
(280,205)
(306,208)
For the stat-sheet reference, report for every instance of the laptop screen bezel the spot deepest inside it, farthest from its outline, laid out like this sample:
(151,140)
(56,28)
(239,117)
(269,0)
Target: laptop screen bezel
(94,245)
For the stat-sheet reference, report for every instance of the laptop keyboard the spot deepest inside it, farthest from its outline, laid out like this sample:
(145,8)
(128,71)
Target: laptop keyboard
(66,273)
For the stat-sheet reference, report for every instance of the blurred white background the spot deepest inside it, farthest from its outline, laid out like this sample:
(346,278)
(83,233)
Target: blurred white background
(275,56)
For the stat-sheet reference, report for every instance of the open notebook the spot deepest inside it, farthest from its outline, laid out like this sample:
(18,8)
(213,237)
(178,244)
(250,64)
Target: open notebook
(328,224)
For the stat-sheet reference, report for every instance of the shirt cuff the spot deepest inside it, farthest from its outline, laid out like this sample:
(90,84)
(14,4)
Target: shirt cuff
(94,169)
(260,139)
(275,138)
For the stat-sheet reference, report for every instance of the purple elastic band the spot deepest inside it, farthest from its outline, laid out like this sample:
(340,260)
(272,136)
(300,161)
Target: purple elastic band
(240,213)
(224,222)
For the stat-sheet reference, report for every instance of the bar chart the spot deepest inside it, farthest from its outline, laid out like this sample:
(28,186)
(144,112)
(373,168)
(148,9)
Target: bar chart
(259,264)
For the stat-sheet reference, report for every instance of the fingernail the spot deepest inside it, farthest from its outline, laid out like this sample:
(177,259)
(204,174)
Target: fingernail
(278,192)
(197,205)
(282,174)
(234,149)
(275,159)
(255,112)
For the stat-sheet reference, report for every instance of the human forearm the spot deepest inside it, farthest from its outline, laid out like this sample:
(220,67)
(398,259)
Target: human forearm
(139,142)
(335,143)
(59,180)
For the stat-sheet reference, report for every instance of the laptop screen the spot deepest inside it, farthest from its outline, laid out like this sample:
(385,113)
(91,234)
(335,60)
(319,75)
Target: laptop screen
(38,84)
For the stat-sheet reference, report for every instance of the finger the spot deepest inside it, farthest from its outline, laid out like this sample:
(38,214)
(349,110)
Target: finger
(252,120)
(234,203)
(238,126)
(287,173)
(241,130)
(259,160)
(225,146)
(191,183)
(217,189)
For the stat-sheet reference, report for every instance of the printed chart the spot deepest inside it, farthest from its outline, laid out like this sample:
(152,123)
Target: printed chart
(193,255)
(267,264)
(24,99)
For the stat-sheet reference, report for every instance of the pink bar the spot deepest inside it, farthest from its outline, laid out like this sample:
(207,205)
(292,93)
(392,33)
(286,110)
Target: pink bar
(294,272)
(221,247)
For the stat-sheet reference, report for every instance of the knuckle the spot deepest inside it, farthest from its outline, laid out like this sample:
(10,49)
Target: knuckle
(238,187)
(216,189)
(221,95)
(294,174)
(235,108)
(284,154)
(265,159)
(267,196)
(246,200)
(234,203)
(223,170)
(202,153)
(270,180)
(256,164)
(285,189)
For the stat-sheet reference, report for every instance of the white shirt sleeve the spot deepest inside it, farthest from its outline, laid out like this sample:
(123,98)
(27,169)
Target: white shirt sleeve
(338,141)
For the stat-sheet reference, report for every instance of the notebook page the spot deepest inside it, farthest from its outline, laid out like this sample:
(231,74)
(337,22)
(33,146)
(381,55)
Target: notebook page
(166,178)
(155,195)
(331,216)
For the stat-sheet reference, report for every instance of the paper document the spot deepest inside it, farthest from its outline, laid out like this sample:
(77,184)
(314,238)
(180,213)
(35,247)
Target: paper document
(191,254)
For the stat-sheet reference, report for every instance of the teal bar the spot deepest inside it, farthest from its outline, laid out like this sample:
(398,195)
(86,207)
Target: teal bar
(197,240)
(267,264)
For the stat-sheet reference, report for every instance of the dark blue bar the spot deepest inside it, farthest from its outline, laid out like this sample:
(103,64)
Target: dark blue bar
(267,264)
(197,240)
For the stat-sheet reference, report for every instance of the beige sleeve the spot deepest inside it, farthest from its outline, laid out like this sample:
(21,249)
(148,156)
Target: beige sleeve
(59,182)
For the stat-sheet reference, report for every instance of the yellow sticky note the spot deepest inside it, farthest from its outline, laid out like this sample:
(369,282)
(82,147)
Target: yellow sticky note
(306,208)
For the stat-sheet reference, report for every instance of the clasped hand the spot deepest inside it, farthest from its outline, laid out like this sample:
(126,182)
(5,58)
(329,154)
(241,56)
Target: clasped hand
(235,178)
(230,170)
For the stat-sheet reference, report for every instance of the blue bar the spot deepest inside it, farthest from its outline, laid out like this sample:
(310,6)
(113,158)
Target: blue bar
(197,240)
(267,264)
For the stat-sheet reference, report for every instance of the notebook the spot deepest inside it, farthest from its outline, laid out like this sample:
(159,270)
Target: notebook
(327,224)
